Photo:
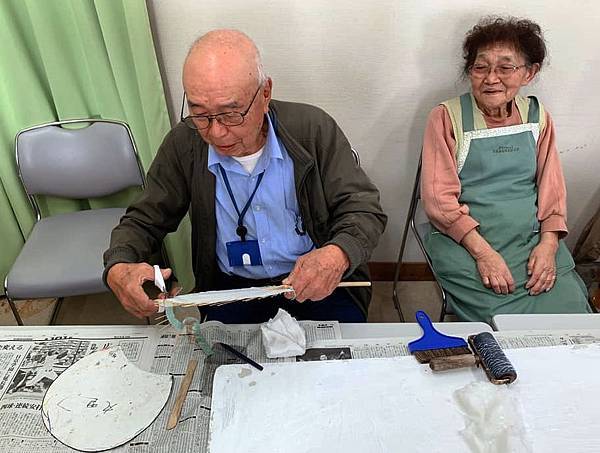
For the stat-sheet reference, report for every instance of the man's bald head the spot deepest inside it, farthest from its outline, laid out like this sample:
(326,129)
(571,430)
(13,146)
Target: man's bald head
(225,55)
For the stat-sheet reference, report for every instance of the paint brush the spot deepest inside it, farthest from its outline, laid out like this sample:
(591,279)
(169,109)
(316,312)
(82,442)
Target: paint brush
(239,355)
(434,344)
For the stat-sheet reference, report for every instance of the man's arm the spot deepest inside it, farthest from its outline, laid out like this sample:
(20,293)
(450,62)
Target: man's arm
(356,220)
(139,235)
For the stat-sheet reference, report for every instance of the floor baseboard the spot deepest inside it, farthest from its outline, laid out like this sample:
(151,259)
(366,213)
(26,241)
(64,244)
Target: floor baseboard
(384,271)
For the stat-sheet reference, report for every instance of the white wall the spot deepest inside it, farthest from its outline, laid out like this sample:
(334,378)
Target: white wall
(379,67)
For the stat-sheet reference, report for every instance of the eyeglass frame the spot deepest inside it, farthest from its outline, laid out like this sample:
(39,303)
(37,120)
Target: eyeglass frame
(515,68)
(216,116)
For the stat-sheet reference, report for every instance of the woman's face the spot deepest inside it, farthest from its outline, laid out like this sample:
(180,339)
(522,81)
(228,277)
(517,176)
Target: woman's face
(497,75)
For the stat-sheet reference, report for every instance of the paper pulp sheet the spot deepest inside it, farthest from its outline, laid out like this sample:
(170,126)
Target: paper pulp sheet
(396,404)
(103,401)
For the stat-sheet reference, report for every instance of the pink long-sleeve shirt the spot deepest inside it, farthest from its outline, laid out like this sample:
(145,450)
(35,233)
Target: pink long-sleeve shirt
(440,185)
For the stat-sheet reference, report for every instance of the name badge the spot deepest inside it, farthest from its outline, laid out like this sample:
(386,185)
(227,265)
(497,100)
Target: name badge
(243,253)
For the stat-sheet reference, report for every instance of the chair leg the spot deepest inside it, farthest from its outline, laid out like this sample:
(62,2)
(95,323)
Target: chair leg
(594,299)
(395,297)
(14,310)
(56,310)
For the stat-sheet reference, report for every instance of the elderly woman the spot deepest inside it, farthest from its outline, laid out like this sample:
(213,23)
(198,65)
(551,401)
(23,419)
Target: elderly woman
(493,187)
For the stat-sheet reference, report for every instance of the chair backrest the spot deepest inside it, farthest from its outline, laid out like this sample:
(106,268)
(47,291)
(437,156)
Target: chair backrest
(86,162)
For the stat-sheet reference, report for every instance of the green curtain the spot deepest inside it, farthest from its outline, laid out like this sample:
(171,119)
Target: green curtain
(65,59)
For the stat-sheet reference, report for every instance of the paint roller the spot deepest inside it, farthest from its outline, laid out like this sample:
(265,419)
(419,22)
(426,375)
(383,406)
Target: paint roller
(444,352)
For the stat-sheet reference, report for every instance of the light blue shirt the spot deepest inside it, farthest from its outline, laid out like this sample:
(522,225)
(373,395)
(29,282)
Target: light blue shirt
(273,216)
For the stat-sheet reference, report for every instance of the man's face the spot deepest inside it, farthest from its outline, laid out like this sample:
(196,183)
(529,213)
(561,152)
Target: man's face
(215,95)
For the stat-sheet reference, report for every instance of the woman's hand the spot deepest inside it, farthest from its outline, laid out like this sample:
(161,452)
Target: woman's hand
(495,273)
(492,268)
(541,266)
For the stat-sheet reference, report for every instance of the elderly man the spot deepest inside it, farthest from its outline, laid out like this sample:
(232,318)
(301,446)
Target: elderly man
(273,192)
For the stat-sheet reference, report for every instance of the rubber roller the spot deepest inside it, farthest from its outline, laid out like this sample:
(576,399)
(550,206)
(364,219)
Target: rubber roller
(487,354)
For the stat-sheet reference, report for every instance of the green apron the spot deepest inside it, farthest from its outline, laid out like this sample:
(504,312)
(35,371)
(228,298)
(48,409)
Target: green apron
(497,172)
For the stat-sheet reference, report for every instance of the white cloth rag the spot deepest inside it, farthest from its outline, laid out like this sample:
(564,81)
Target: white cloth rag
(283,336)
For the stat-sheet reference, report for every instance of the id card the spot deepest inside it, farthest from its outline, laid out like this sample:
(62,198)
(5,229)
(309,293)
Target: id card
(243,253)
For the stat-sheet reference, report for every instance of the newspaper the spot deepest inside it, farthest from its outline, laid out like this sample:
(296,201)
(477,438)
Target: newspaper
(397,347)
(533,339)
(32,358)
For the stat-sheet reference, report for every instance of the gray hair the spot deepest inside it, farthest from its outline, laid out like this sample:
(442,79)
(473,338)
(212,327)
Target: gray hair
(231,37)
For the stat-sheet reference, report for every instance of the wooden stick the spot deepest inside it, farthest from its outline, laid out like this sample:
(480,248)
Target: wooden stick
(181,395)
(167,303)
(353,284)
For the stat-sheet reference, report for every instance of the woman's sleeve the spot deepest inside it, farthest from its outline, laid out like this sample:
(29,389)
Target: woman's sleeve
(552,193)
(440,186)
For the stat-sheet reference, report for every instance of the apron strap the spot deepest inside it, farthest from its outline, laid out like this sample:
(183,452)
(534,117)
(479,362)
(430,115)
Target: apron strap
(466,108)
(534,110)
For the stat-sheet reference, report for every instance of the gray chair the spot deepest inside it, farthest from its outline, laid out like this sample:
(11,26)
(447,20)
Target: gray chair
(63,254)
(420,227)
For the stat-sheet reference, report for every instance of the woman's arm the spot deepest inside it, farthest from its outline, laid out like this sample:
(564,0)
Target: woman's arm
(440,190)
(440,186)
(552,212)
(552,193)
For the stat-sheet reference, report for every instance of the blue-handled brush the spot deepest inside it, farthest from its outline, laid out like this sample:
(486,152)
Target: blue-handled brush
(435,344)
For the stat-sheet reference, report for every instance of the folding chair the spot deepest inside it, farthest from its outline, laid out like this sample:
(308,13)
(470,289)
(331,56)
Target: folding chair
(63,254)
(420,230)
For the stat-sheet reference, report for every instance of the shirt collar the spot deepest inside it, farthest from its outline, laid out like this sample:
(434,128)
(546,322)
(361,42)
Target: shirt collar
(272,150)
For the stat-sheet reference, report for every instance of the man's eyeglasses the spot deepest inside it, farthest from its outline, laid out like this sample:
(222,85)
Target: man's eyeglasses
(503,70)
(225,118)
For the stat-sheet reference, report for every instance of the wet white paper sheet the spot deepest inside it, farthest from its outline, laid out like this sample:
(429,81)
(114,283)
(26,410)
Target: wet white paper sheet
(103,401)
(225,296)
(396,404)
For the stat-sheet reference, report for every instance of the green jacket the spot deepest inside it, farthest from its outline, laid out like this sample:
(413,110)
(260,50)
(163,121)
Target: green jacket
(338,203)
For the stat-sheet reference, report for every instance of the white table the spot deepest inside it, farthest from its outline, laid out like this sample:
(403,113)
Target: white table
(349,330)
(405,330)
(568,321)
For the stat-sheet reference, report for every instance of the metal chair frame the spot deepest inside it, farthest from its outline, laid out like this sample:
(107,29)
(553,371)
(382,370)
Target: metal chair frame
(36,207)
(410,222)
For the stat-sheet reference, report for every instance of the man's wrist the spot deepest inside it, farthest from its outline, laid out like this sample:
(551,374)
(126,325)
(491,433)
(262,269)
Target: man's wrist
(340,256)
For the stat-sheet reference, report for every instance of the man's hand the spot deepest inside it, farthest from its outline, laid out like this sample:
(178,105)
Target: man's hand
(541,266)
(317,273)
(126,280)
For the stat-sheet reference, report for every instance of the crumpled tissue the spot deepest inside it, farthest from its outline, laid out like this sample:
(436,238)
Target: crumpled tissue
(283,336)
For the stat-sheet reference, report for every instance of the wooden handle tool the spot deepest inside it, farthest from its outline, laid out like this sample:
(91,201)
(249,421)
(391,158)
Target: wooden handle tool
(452,362)
(353,284)
(183,390)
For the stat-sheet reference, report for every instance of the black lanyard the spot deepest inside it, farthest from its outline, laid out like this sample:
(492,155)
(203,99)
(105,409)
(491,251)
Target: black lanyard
(241,230)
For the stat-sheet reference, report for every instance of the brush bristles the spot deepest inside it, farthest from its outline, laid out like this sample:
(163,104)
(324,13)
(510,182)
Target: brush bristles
(427,355)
